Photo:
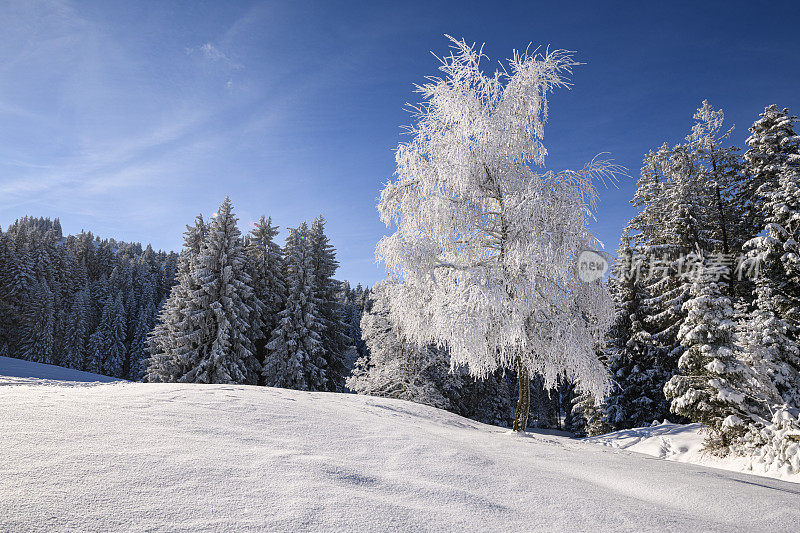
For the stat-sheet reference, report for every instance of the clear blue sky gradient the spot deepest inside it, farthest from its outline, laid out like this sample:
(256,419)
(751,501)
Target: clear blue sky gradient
(129,118)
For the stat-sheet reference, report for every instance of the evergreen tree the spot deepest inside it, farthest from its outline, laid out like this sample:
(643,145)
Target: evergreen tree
(774,330)
(81,273)
(107,343)
(488,400)
(137,352)
(335,340)
(265,265)
(295,353)
(37,340)
(714,386)
(77,334)
(219,311)
(396,368)
(637,397)
(174,338)
(686,212)
(772,151)
(588,417)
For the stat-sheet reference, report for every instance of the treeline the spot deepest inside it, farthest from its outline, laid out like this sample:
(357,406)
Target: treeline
(246,310)
(79,301)
(118,309)
(707,285)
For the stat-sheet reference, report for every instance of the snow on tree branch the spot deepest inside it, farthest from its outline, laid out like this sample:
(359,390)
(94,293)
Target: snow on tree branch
(485,244)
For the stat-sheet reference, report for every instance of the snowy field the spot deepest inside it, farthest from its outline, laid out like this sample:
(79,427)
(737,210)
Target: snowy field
(131,456)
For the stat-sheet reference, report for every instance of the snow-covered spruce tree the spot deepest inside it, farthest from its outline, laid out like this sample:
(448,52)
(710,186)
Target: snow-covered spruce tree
(170,341)
(637,397)
(76,333)
(773,149)
(772,355)
(37,334)
(108,342)
(485,245)
(774,328)
(588,417)
(682,216)
(396,368)
(713,386)
(18,281)
(335,340)
(265,265)
(686,204)
(488,400)
(295,353)
(219,311)
(719,168)
(137,352)
(353,302)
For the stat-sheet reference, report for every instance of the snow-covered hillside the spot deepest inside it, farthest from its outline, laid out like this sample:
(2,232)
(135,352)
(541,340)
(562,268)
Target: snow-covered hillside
(16,371)
(131,456)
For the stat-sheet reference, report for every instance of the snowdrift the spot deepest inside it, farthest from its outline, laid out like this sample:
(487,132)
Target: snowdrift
(683,443)
(132,456)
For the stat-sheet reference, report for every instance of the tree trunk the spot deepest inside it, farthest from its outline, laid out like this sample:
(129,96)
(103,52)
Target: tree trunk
(524,400)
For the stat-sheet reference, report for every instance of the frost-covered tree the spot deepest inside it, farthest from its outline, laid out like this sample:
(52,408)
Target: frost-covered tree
(637,397)
(172,339)
(108,341)
(396,368)
(37,339)
(713,385)
(295,353)
(486,245)
(335,340)
(773,149)
(265,265)
(224,350)
(774,329)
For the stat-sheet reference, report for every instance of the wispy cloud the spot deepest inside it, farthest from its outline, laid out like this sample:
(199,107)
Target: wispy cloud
(213,54)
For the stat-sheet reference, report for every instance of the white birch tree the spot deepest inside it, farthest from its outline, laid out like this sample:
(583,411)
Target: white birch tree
(486,241)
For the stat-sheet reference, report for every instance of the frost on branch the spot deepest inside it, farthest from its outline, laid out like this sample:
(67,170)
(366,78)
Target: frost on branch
(487,241)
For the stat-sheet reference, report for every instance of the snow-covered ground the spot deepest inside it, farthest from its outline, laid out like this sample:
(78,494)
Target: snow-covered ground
(682,443)
(131,456)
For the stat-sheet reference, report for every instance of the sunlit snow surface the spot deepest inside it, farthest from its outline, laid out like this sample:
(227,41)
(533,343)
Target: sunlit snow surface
(683,443)
(131,456)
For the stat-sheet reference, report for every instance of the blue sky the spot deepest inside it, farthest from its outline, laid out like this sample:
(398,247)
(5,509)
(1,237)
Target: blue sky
(129,118)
